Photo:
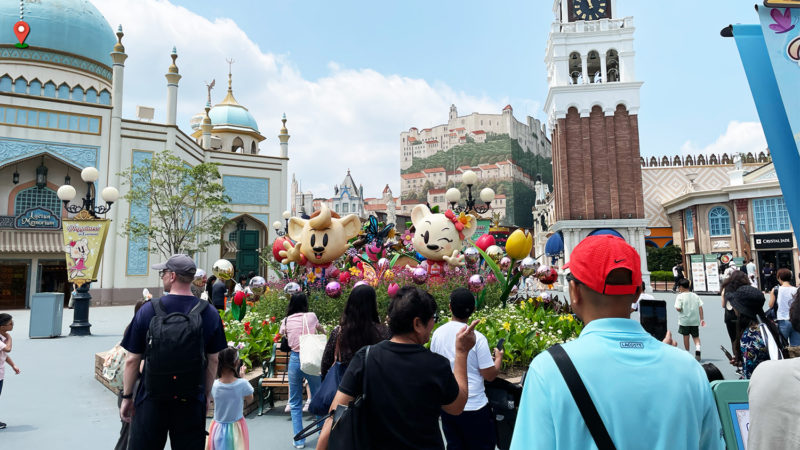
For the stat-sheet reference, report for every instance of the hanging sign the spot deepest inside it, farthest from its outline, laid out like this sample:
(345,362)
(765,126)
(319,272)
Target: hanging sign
(84,241)
(37,218)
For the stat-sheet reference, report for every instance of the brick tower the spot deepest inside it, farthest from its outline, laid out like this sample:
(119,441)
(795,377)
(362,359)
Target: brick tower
(592,106)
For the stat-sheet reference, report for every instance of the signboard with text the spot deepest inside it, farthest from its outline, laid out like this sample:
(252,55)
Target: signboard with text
(712,273)
(37,218)
(773,240)
(83,244)
(698,272)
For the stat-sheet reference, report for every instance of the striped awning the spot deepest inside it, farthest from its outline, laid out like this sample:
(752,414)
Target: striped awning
(20,241)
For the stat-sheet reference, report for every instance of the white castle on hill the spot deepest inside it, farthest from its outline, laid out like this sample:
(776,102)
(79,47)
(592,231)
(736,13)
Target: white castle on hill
(532,135)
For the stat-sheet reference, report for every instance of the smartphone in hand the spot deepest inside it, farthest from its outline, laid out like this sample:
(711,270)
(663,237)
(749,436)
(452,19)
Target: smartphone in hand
(653,316)
(501,343)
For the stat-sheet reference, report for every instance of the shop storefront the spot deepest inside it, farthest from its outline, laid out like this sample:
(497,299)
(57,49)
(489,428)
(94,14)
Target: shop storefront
(775,250)
(31,257)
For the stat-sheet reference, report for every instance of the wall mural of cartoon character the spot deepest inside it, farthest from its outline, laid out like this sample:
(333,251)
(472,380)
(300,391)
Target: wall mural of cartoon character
(78,251)
(439,237)
(322,239)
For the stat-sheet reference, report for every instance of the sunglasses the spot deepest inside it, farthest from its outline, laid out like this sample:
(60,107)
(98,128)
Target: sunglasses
(571,277)
(163,272)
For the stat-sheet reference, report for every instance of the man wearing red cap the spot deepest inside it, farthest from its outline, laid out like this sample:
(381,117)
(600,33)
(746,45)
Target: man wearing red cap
(634,391)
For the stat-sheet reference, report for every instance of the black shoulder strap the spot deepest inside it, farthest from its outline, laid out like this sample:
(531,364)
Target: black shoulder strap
(582,398)
(199,307)
(364,375)
(158,307)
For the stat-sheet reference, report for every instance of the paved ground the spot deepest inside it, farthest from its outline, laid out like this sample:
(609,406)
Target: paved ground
(55,403)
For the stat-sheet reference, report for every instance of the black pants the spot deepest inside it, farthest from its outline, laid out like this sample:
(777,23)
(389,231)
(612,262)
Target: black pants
(184,421)
(675,286)
(730,325)
(469,430)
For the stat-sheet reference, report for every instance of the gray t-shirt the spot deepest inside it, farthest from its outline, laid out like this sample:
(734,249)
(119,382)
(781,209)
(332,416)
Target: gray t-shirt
(774,396)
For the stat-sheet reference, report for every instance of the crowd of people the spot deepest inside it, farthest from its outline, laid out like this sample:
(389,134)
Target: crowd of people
(575,395)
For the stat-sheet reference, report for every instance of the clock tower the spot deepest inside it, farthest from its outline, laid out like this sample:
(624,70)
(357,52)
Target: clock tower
(592,107)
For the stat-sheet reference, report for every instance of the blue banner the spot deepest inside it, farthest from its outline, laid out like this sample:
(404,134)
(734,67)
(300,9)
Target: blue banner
(772,111)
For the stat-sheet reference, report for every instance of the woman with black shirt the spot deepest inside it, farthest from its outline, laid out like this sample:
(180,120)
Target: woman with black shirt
(359,326)
(736,280)
(407,385)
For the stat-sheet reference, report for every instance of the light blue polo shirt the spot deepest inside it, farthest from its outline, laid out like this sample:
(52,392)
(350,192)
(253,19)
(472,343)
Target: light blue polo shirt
(649,394)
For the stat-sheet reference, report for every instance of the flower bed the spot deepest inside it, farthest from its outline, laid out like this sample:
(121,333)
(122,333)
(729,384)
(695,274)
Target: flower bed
(529,327)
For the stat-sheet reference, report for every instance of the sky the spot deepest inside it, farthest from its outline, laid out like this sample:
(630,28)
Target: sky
(351,76)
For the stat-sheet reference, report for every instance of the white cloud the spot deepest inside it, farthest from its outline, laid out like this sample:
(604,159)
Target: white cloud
(350,118)
(739,137)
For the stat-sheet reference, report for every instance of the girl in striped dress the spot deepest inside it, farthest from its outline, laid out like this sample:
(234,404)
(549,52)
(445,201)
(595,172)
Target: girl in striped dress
(228,430)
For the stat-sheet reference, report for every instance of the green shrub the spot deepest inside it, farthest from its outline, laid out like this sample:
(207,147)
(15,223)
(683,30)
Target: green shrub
(661,275)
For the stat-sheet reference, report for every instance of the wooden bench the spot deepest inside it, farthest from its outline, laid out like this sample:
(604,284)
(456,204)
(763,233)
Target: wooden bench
(274,380)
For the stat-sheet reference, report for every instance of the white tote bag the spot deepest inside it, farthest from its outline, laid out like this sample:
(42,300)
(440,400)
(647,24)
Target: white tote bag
(312,346)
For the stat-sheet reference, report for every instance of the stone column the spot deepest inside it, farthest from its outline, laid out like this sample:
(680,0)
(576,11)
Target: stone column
(172,77)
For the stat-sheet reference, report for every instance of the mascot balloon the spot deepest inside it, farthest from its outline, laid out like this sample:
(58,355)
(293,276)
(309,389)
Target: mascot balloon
(438,237)
(320,240)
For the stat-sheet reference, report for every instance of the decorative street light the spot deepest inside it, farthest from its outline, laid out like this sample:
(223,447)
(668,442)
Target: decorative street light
(453,195)
(277,224)
(84,239)
(110,194)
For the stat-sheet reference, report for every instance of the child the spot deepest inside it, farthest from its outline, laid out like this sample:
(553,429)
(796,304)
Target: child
(6,325)
(228,430)
(690,308)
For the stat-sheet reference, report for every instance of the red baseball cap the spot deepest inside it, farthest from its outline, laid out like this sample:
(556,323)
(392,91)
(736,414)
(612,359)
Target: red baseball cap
(596,256)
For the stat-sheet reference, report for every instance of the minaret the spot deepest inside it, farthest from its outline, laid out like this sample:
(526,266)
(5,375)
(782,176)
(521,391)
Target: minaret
(206,127)
(453,112)
(172,77)
(284,138)
(118,58)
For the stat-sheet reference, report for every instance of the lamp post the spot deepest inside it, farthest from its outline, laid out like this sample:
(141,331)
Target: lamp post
(453,195)
(277,224)
(90,231)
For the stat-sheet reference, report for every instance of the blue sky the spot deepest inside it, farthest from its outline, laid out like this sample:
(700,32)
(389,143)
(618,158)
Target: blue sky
(370,70)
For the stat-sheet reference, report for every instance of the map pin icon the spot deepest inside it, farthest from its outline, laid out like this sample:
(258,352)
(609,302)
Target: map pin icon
(21,29)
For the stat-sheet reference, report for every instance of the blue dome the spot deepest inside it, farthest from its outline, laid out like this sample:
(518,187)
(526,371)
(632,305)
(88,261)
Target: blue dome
(71,26)
(554,245)
(235,115)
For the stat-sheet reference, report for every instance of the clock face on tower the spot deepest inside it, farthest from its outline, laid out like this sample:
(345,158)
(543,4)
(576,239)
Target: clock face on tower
(589,9)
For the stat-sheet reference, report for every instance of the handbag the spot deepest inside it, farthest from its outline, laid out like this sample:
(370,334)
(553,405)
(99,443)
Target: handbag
(582,398)
(349,428)
(321,401)
(312,346)
(284,347)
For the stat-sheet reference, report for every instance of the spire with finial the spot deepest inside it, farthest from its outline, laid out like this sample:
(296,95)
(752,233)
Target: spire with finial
(283,137)
(229,99)
(174,55)
(118,47)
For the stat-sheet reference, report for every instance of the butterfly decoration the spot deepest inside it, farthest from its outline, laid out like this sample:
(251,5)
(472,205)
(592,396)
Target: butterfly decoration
(370,276)
(783,21)
(374,232)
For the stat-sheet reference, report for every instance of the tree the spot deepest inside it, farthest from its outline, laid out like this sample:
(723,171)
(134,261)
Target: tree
(663,258)
(187,205)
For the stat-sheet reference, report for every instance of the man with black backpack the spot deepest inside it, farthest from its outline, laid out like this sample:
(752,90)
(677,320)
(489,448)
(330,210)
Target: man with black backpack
(178,336)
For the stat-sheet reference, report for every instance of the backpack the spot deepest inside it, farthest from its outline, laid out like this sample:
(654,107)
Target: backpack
(114,367)
(175,355)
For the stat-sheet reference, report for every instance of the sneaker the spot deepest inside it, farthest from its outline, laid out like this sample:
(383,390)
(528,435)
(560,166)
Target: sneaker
(2,425)
(697,355)
(305,407)
(299,445)
(288,408)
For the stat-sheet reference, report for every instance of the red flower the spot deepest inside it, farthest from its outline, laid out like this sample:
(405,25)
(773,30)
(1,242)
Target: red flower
(272,319)
(247,330)
(277,338)
(247,324)
(264,323)
(238,298)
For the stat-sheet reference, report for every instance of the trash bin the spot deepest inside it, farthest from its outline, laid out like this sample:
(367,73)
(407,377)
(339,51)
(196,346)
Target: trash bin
(47,309)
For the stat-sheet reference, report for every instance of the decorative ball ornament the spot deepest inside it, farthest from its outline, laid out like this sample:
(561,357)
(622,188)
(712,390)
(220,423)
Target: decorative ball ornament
(392,289)
(471,255)
(549,277)
(334,273)
(495,252)
(258,285)
(383,264)
(223,269)
(485,241)
(546,297)
(528,266)
(292,288)
(277,247)
(388,275)
(476,283)
(419,275)
(360,283)
(505,263)
(333,289)
(344,277)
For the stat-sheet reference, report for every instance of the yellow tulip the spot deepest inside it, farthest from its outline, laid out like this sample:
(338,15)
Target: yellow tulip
(519,244)
(507,326)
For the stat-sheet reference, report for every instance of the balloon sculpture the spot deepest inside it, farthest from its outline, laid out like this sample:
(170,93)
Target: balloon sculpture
(439,237)
(320,240)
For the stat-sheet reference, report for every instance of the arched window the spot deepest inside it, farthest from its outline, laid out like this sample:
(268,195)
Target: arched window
(91,95)
(35,88)
(49,89)
(63,91)
(689,224)
(5,84)
(719,221)
(237,145)
(105,97)
(593,67)
(34,197)
(689,160)
(20,86)
(575,68)
(253,148)
(77,94)
(612,66)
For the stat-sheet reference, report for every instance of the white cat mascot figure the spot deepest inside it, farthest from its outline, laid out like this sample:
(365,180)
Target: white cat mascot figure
(439,237)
